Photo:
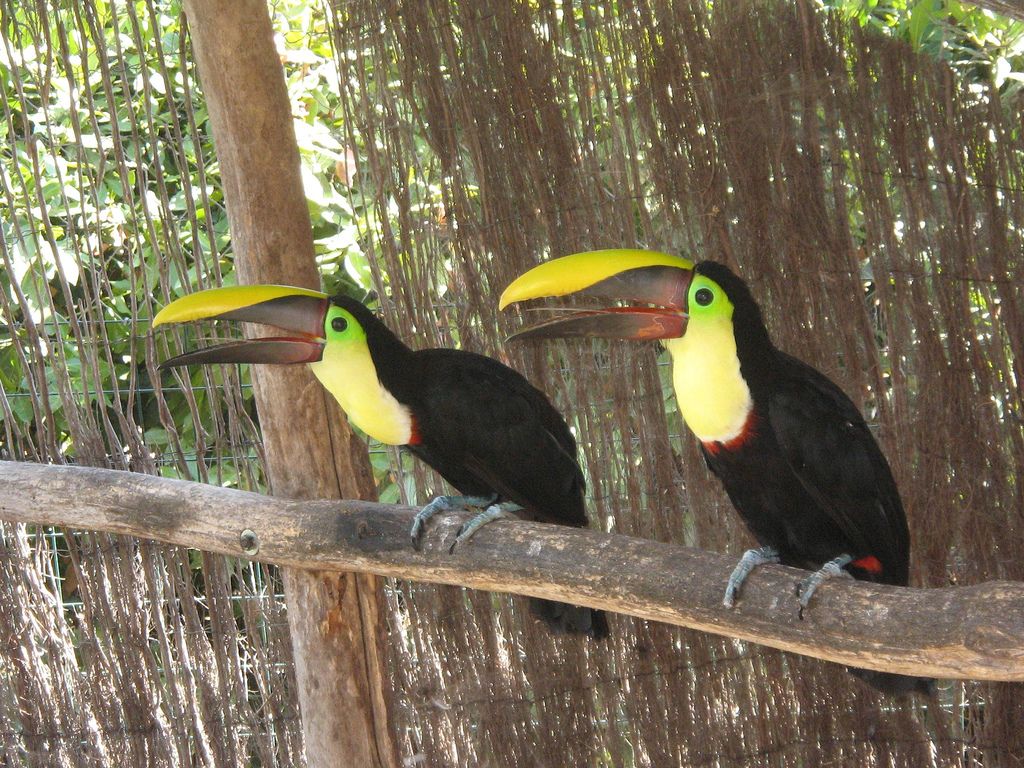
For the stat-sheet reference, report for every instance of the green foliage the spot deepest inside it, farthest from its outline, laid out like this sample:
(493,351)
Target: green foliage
(109,176)
(107,167)
(982,46)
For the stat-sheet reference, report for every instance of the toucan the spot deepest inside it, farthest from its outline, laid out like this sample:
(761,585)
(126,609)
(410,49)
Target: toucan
(792,451)
(484,428)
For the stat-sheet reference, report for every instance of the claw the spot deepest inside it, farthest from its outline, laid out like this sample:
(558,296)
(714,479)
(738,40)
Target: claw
(830,570)
(442,504)
(489,515)
(750,560)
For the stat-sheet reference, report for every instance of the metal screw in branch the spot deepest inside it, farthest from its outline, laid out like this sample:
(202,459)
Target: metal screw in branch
(250,542)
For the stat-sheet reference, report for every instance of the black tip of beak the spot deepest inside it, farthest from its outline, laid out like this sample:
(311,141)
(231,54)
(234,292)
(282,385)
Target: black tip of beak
(279,351)
(613,323)
(660,285)
(300,314)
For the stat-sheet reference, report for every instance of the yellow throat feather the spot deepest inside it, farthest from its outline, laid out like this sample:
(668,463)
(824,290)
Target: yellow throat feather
(713,398)
(348,373)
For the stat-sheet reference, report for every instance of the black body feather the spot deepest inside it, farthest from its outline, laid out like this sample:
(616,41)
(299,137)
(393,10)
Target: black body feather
(486,430)
(809,479)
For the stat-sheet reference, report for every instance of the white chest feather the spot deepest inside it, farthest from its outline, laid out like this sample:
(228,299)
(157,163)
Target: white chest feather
(348,373)
(713,398)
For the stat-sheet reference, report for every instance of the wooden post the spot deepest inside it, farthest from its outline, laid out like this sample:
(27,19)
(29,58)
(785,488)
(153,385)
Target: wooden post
(336,619)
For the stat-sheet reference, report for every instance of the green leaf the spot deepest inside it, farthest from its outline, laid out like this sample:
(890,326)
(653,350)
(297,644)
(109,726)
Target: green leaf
(922,16)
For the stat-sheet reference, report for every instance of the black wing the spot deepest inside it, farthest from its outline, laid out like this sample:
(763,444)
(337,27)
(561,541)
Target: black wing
(833,454)
(486,429)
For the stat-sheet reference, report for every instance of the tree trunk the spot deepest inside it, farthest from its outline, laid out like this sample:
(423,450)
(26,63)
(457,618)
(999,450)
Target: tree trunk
(336,619)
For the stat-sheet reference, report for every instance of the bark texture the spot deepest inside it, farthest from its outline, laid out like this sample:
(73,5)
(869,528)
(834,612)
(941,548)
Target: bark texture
(335,618)
(962,632)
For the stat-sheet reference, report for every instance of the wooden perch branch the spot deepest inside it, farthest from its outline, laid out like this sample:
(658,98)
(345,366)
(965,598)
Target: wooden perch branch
(963,632)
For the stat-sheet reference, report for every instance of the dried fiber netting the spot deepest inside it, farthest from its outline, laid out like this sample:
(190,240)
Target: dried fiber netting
(117,652)
(873,203)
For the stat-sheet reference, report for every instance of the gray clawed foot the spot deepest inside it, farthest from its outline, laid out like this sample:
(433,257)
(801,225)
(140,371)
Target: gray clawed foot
(830,570)
(804,589)
(443,504)
(750,560)
(489,515)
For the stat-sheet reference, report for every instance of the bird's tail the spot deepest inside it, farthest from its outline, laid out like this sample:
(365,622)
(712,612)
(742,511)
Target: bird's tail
(893,684)
(565,619)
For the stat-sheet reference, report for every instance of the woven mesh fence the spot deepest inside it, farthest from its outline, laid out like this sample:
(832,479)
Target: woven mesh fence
(873,202)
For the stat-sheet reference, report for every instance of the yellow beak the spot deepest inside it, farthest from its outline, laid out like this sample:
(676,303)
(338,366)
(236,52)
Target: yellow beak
(621,273)
(299,310)
(217,303)
(644,276)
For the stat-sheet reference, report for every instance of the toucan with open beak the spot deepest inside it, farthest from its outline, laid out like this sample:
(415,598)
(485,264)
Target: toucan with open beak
(792,451)
(484,428)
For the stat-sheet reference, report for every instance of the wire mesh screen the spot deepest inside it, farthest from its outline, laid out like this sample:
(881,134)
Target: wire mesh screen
(116,652)
(872,202)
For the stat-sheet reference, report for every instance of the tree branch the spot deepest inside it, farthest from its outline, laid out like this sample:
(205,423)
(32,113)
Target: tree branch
(963,632)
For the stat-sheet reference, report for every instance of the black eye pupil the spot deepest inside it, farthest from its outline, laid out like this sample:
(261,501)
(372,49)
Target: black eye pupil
(339,324)
(704,296)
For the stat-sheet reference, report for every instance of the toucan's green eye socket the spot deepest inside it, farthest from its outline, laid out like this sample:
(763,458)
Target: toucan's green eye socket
(704,296)
(342,327)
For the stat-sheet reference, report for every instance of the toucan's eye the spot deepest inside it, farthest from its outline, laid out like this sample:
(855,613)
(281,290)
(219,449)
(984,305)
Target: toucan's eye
(339,324)
(704,296)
